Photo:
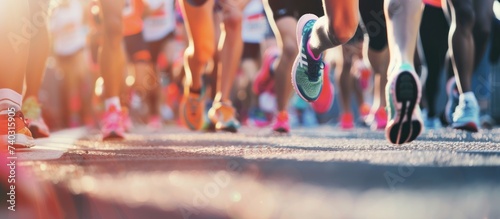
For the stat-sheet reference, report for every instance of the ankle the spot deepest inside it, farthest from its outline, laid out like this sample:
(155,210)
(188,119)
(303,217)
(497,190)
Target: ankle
(10,99)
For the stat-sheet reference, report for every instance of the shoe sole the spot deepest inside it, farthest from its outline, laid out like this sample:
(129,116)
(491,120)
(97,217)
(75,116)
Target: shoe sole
(35,131)
(404,128)
(470,127)
(298,33)
(113,136)
(230,129)
(281,131)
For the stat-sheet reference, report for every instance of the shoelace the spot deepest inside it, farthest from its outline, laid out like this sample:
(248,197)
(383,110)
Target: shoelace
(21,115)
(193,105)
(313,70)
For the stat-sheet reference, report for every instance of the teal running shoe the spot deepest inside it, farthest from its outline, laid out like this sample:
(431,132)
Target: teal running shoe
(466,116)
(307,72)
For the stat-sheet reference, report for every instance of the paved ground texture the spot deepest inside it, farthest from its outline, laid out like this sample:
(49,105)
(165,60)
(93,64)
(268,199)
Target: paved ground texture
(320,172)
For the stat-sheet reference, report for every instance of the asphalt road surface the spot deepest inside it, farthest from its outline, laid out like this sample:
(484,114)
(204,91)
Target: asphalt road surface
(318,172)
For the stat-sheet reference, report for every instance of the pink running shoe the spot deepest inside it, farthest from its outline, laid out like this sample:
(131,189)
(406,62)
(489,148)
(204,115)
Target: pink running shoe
(155,123)
(112,127)
(264,76)
(347,121)
(380,120)
(282,124)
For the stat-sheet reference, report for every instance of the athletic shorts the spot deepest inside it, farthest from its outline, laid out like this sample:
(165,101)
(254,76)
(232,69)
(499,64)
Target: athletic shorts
(251,51)
(295,8)
(156,47)
(136,48)
(358,37)
(372,14)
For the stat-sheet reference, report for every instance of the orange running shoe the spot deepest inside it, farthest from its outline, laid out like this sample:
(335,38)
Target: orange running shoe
(223,115)
(14,130)
(364,111)
(192,110)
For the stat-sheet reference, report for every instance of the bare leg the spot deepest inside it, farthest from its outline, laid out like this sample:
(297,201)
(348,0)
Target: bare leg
(39,49)
(231,48)
(112,57)
(380,64)
(287,42)
(344,79)
(15,36)
(462,42)
(404,17)
(200,31)
(336,27)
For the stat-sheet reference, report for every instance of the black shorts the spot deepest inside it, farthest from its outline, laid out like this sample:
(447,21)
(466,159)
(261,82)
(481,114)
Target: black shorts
(372,14)
(358,37)
(251,51)
(295,8)
(156,47)
(136,48)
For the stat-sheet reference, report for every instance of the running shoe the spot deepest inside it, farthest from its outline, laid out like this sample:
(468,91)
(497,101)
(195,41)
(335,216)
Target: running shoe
(346,121)
(466,116)
(112,124)
(264,76)
(223,115)
(403,93)
(453,94)
(282,123)
(379,119)
(17,122)
(307,71)
(33,113)
(192,109)
(155,123)
(325,99)
(364,111)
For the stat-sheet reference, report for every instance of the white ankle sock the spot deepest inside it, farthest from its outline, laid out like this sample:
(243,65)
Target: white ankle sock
(8,99)
(113,101)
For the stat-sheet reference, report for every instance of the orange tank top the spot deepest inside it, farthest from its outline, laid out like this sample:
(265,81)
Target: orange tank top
(132,17)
